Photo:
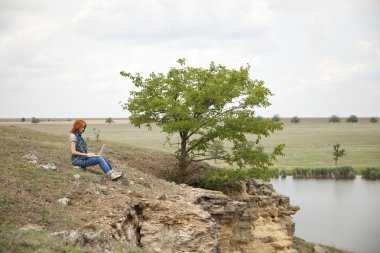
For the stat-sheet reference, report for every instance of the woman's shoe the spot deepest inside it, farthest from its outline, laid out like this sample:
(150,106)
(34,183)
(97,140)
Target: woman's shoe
(115,175)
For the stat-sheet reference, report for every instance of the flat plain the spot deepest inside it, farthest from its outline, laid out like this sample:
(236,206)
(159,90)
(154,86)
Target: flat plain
(308,144)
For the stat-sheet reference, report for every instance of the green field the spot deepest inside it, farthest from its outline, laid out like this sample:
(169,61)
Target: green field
(307,144)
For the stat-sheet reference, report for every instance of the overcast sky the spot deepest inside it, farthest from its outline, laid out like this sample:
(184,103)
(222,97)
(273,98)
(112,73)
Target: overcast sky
(63,58)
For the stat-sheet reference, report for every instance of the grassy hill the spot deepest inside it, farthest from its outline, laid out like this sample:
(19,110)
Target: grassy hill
(29,194)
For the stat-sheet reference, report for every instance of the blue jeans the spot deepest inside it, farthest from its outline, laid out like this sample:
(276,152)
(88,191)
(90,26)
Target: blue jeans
(94,160)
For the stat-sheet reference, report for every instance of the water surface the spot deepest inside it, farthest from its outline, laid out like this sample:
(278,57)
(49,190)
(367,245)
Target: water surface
(340,213)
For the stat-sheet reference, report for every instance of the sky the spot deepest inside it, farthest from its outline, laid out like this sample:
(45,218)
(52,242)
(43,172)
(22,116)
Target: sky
(62,59)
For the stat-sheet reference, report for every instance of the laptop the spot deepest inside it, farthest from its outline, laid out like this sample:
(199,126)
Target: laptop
(101,149)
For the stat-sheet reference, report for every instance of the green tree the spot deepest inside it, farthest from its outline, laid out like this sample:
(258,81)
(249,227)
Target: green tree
(352,119)
(334,119)
(373,120)
(217,150)
(248,153)
(23,119)
(109,120)
(35,120)
(295,120)
(337,153)
(201,105)
(276,118)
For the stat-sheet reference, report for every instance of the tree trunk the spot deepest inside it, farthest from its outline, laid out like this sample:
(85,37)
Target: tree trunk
(183,159)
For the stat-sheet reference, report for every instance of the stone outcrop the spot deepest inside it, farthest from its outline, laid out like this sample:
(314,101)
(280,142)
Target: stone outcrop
(197,220)
(33,159)
(89,238)
(274,228)
(187,219)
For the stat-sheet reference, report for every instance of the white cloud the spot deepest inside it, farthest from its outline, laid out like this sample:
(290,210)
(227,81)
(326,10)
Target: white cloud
(331,70)
(73,50)
(194,23)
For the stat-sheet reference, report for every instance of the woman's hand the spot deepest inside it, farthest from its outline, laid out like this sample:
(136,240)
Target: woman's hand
(90,154)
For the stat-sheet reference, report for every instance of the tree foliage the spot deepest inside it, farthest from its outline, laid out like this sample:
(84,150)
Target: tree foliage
(217,150)
(109,120)
(295,120)
(276,118)
(35,120)
(231,180)
(203,105)
(373,120)
(337,153)
(247,153)
(352,119)
(334,119)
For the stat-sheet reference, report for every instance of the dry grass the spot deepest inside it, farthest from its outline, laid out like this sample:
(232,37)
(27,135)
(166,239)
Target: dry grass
(29,194)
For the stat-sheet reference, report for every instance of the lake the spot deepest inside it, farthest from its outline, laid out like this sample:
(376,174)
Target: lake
(341,213)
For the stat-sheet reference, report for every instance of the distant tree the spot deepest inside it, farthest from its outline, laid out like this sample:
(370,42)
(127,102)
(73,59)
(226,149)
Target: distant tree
(97,134)
(337,153)
(334,119)
(23,119)
(373,120)
(35,120)
(295,120)
(217,149)
(276,118)
(352,119)
(109,120)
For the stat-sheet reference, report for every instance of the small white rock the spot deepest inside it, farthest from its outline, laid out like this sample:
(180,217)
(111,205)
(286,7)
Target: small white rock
(64,201)
(76,176)
(49,166)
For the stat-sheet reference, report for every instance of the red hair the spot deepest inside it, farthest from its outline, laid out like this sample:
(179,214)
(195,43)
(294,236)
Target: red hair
(78,124)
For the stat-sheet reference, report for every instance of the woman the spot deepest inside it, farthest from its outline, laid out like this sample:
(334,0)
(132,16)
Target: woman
(79,155)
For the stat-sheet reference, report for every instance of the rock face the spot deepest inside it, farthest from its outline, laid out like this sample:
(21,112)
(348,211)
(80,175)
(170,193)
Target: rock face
(274,228)
(197,220)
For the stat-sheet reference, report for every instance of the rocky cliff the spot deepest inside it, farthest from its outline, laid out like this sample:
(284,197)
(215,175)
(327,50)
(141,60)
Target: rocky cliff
(160,216)
(197,220)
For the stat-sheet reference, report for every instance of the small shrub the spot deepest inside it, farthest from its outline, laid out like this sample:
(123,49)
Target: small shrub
(371,173)
(352,119)
(35,120)
(231,180)
(334,119)
(373,120)
(295,120)
(97,134)
(109,120)
(324,173)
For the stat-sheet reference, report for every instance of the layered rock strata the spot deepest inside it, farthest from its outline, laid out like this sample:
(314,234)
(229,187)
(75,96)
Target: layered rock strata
(197,220)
